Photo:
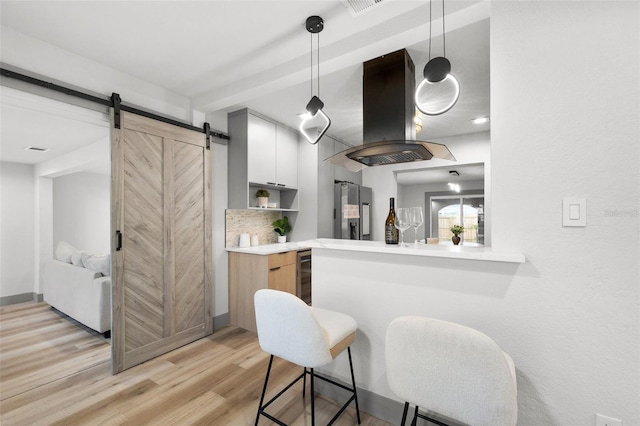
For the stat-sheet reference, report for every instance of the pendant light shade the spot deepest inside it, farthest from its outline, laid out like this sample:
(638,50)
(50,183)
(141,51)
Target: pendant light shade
(437,98)
(315,122)
(315,119)
(437,80)
(437,69)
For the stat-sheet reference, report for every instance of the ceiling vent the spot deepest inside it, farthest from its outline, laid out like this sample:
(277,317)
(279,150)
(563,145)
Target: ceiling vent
(358,7)
(37,149)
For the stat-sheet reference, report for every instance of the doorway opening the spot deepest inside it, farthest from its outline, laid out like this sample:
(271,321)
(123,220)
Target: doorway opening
(467,211)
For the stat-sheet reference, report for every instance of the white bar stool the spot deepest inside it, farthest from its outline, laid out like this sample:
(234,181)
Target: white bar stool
(307,336)
(451,370)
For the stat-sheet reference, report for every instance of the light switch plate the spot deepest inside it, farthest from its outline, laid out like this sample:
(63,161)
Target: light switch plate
(574,211)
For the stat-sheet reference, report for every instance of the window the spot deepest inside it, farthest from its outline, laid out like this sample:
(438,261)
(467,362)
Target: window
(467,211)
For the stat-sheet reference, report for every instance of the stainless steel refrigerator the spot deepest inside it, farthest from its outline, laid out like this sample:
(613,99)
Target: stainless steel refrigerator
(351,211)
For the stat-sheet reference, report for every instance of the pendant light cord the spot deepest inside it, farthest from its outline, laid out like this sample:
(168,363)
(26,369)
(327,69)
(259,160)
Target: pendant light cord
(444,45)
(311,66)
(317,64)
(429,30)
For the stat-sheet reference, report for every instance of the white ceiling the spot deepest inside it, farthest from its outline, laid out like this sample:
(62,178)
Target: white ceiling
(227,55)
(465,173)
(30,120)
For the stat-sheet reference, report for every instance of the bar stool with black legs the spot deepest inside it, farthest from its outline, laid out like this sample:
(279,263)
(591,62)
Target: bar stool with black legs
(452,373)
(307,336)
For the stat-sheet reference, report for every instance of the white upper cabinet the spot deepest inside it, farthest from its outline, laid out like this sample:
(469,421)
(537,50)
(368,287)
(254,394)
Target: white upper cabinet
(262,154)
(261,150)
(272,153)
(286,157)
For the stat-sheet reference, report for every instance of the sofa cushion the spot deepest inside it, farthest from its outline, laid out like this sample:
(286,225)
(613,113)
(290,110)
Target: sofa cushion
(78,292)
(76,258)
(64,252)
(98,263)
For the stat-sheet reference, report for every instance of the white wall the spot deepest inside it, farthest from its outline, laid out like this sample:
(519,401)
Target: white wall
(306,224)
(19,50)
(326,177)
(55,64)
(565,92)
(220,260)
(43,226)
(564,111)
(17,233)
(93,155)
(82,211)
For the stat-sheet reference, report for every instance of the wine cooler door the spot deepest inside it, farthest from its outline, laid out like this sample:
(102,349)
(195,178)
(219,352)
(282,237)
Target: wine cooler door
(304,276)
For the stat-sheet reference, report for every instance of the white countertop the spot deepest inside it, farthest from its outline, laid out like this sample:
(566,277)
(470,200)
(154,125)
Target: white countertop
(428,250)
(267,249)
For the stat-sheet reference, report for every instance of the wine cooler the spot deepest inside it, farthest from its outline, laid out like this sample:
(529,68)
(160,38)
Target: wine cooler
(303,285)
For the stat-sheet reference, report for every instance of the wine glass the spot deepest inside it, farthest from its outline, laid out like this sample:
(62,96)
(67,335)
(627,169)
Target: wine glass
(402,222)
(416,217)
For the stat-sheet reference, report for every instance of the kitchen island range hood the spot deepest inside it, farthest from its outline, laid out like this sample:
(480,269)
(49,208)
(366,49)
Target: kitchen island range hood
(387,111)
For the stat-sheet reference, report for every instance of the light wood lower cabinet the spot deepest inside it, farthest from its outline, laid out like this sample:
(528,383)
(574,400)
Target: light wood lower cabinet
(249,273)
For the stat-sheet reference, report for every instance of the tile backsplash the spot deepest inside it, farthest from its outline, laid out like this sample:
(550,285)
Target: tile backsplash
(253,222)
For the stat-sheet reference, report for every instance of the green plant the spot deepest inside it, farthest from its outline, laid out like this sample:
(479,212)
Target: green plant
(282,226)
(457,230)
(262,193)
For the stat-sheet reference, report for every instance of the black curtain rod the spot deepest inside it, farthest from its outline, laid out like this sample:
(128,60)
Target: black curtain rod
(108,102)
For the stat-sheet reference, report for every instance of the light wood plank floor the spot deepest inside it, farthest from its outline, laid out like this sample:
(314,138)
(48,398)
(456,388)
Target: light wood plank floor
(54,372)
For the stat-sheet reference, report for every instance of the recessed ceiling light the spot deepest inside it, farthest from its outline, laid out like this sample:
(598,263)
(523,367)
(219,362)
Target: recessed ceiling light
(480,120)
(37,149)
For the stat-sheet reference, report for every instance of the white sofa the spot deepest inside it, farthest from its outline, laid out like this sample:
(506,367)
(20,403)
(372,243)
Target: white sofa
(81,293)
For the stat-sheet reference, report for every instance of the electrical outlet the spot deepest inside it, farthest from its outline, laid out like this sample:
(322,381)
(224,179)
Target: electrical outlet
(607,421)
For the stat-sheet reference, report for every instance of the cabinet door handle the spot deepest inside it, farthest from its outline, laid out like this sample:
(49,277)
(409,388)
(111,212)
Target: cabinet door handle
(271,183)
(275,269)
(281,184)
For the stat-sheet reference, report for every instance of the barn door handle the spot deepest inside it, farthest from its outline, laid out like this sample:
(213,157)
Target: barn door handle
(118,240)
(274,269)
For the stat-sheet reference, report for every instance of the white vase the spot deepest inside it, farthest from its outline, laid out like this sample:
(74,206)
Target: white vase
(263,202)
(282,238)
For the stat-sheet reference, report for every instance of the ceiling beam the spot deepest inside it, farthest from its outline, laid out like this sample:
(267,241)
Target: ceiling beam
(340,54)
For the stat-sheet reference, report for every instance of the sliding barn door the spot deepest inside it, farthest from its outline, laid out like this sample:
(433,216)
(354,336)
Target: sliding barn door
(161,220)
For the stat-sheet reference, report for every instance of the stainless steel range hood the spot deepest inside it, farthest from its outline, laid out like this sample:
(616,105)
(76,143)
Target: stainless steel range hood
(387,111)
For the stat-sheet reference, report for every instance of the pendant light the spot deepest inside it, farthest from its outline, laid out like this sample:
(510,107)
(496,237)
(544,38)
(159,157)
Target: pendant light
(315,114)
(437,72)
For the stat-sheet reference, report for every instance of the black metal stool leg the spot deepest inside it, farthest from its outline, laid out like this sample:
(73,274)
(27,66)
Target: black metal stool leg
(415,417)
(404,413)
(313,398)
(264,390)
(263,406)
(304,382)
(353,382)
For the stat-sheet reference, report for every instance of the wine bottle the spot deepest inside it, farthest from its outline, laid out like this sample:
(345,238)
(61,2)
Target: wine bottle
(390,231)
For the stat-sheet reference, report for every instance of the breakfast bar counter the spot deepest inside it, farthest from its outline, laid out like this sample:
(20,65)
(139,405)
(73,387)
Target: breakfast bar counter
(375,284)
(426,250)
